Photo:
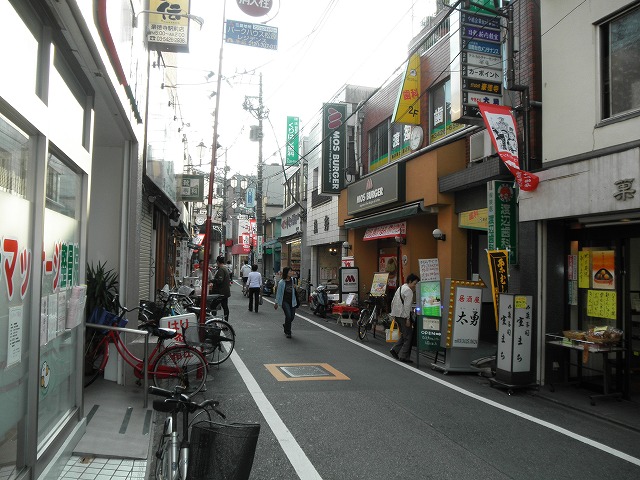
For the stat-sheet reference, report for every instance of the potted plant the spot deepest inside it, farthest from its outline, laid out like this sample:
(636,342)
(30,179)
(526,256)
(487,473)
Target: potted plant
(102,287)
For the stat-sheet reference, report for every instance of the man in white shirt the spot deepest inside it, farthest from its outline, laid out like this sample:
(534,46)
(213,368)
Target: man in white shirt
(244,273)
(401,306)
(254,284)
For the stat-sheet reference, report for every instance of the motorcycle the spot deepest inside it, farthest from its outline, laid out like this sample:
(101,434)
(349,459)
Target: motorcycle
(319,301)
(267,286)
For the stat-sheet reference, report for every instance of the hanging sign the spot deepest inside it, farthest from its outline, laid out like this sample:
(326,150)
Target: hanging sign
(502,129)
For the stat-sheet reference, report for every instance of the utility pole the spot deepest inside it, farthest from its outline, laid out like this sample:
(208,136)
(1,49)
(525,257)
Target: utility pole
(259,112)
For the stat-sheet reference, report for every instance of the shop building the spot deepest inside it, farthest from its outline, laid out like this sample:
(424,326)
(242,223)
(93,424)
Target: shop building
(585,212)
(70,188)
(325,236)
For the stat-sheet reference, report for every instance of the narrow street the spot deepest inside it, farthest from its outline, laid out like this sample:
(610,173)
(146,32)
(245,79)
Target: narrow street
(349,411)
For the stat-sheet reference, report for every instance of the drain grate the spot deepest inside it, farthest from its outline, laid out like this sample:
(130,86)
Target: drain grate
(305,371)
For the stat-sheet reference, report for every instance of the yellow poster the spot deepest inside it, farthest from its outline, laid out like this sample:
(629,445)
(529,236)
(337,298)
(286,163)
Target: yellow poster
(379,284)
(407,109)
(584,269)
(603,269)
(601,304)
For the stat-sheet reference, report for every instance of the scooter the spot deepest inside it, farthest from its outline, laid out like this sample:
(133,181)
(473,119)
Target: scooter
(267,287)
(319,301)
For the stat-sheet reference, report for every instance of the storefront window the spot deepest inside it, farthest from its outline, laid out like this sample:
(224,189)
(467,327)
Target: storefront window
(16,202)
(295,256)
(58,332)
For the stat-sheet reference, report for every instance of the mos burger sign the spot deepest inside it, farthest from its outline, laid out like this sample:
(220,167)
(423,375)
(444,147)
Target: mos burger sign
(255,8)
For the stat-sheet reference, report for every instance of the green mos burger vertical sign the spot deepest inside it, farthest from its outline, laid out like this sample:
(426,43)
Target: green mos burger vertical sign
(334,147)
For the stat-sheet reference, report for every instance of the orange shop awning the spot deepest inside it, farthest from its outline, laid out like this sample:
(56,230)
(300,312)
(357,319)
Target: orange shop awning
(390,230)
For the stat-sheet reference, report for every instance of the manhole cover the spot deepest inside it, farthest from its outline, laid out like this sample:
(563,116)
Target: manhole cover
(295,372)
(305,371)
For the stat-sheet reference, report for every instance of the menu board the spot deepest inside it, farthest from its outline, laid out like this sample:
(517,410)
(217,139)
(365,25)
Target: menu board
(601,303)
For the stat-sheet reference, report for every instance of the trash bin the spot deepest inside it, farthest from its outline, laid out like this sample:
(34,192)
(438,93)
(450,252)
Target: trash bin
(222,451)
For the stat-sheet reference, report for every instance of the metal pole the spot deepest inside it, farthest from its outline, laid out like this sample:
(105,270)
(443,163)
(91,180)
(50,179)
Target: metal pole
(214,150)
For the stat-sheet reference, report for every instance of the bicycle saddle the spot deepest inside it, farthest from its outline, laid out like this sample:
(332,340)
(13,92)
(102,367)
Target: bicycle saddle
(160,332)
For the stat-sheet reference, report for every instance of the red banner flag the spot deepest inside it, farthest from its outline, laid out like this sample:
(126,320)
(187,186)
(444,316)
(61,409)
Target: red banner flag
(502,127)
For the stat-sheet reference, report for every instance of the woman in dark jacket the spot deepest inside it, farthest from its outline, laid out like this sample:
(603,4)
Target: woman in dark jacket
(286,297)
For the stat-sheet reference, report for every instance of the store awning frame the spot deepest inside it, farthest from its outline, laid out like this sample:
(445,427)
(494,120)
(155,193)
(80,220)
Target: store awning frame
(389,216)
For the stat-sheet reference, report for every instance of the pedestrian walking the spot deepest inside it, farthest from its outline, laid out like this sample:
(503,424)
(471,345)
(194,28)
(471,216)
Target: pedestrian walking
(221,285)
(244,273)
(401,312)
(230,268)
(254,283)
(286,297)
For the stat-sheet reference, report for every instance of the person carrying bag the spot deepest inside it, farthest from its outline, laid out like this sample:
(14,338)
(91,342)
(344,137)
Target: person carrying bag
(401,313)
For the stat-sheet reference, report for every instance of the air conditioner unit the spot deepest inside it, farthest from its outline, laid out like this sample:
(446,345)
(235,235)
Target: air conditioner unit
(480,146)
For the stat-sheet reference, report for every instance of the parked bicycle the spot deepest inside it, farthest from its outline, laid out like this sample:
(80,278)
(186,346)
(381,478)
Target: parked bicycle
(168,367)
(199,448)
(373,313)
(173,450)
(216,339)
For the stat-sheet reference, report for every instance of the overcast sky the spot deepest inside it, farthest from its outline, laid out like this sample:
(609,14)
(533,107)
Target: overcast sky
(322,45)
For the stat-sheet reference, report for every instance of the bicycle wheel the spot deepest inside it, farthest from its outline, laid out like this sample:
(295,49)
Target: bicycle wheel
(220,339)
(180,366)
(363,322)
(95,361)
(163,454)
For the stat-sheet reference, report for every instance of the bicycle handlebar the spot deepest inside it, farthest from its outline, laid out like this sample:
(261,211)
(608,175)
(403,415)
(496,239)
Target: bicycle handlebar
(178,397)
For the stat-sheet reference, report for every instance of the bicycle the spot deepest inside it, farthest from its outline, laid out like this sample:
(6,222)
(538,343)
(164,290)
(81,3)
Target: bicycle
(216,339)
(372,314)
(199,453)
(168,367)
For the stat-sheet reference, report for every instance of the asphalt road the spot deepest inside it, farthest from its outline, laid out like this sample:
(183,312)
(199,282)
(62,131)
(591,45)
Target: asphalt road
(367,416)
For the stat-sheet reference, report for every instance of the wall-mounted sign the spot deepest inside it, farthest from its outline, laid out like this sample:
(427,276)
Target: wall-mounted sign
(476,62)
(334,147)
(407,109)
(190,188)
(474,219)
(502,218)
(380,188)
(251,34)
(293,132)
(168,29)
(349,280)
(255,8)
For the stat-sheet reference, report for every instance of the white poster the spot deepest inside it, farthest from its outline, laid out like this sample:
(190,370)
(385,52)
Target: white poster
(44,321)
(505,332)
(466,317)
(522,333)
(429,269)
(52,318)
(14,337)
(62,312)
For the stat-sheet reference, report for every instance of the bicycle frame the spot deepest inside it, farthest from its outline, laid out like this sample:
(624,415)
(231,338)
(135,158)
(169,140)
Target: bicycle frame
(135,362)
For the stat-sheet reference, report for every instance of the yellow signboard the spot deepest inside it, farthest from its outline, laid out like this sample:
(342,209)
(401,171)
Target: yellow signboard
(379,284)
(474,219)
(168,25)
(601,304)
(408,104)
(584,269)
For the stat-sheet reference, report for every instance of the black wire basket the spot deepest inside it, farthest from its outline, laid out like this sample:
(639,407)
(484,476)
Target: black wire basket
(222,451)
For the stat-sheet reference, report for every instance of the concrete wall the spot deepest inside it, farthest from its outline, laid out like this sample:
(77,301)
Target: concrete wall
(571,92)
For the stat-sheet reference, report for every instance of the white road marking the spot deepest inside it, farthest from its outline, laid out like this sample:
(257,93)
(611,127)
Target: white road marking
(513,411)
(302,465)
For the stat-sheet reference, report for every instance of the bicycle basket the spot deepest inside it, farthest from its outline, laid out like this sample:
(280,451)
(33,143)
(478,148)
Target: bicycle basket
(223,451)
(201,336)
(100,316)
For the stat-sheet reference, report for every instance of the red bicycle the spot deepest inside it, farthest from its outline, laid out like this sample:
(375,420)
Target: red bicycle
(168,367)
